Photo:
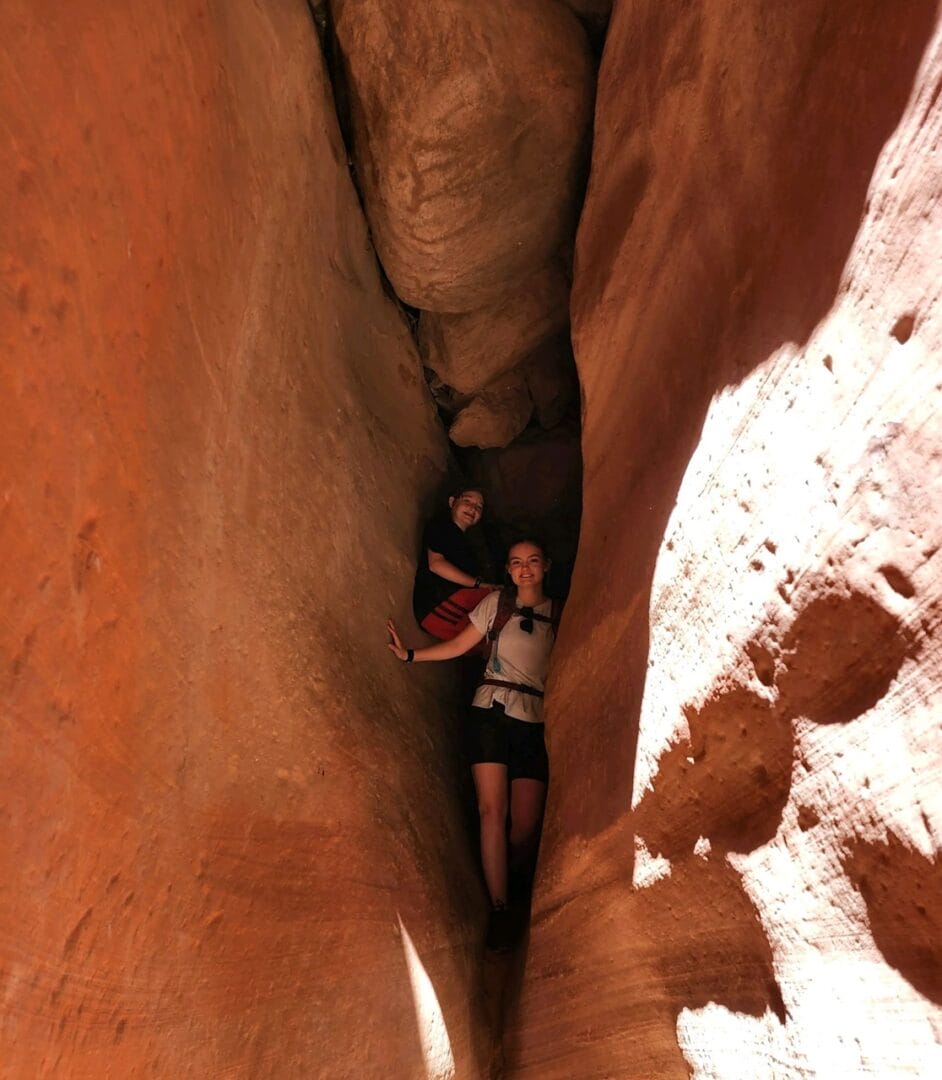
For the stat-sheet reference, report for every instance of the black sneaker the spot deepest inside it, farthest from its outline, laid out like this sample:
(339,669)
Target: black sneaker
(502,930)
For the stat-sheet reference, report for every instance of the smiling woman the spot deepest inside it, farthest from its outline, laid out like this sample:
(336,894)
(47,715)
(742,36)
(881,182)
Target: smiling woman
(504,740)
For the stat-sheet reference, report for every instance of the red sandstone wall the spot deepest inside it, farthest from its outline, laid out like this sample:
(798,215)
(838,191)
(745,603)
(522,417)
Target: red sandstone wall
(740,876)
(213,445)
(214,440)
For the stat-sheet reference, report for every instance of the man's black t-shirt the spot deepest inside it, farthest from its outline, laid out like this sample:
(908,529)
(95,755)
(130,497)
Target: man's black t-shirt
(441,535)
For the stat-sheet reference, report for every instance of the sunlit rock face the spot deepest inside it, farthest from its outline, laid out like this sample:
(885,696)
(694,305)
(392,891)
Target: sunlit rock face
(214,443)
(740,876)
(469,126)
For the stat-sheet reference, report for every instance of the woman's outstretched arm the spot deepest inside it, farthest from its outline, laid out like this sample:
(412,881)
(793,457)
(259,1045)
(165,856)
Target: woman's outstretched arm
(443,650)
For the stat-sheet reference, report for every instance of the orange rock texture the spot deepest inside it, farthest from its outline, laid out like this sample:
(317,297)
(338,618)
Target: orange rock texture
(740,875)
(469,131)
(216,435)
(469,125)
(232,843)
(467,351)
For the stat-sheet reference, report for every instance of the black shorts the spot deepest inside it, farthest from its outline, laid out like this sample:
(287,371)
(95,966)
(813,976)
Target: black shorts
(493,736)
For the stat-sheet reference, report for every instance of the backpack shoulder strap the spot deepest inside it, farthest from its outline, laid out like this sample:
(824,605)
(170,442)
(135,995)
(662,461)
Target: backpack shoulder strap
(506,605)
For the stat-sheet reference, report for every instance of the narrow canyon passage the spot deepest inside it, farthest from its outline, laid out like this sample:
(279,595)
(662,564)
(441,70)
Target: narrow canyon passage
(272,275)
(471,176)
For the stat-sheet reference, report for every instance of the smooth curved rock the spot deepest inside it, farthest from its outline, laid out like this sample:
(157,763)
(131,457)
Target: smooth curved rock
(212,858)
(469,135)
(231,843)
(745,813)
(467,351)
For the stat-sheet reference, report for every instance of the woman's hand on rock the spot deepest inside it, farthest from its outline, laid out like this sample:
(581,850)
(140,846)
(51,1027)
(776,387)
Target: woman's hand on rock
(395,646)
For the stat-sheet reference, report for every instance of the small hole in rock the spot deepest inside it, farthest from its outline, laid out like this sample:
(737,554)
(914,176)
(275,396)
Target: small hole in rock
(898,581)
(903,328)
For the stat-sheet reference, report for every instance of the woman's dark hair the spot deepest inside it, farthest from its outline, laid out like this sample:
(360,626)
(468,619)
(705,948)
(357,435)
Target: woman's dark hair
(528,538)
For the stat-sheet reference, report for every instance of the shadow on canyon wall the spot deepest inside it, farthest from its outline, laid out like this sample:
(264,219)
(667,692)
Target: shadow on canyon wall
(902,890)
(666,314)
(778,278)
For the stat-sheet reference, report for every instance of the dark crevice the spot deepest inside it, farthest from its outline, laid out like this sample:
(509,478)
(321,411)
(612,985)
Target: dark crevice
(558,523)
(533,486)
(322,17)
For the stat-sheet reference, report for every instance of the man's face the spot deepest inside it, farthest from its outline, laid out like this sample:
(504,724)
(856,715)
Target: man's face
(466,509)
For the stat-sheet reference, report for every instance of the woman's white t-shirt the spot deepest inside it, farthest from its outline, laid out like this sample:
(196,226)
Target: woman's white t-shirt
(523,658)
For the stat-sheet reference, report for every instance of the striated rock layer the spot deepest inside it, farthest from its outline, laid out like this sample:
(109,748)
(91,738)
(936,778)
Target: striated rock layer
(741,871)
(215,439)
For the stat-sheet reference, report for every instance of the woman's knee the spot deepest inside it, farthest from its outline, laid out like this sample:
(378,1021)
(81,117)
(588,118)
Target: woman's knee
(492,810)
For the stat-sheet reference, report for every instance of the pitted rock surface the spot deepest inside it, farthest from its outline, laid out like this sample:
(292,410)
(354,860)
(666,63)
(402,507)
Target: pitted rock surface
(739,872)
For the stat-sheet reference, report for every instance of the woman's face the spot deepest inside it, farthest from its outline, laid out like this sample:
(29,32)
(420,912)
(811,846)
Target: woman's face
(466,509)
(526,565)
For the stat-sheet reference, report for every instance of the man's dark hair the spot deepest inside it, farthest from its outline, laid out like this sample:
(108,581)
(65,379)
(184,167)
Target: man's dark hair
(457,492)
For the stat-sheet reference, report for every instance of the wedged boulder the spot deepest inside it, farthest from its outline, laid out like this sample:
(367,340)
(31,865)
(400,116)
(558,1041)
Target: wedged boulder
(469,350)
(469,128)
(494,417)
(446,397)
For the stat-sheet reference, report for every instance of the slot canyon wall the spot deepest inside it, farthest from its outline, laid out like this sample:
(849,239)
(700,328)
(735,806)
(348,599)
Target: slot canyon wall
(231,842)
(740,875)
(215,442)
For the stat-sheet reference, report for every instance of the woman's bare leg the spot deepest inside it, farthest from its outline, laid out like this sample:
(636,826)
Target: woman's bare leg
(490,782)
(527,798)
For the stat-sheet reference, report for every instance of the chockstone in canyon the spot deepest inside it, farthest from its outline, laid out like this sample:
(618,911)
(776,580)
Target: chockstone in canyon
(662,282)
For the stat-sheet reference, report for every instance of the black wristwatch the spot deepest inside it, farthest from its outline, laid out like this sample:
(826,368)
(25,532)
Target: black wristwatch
(477,583)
